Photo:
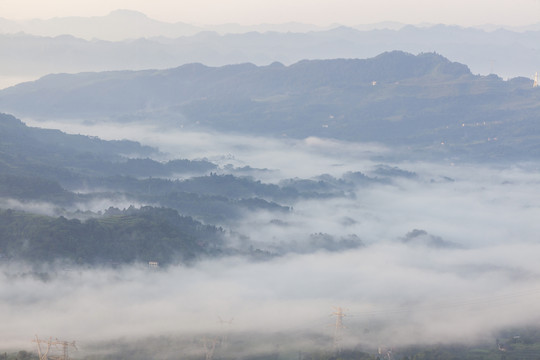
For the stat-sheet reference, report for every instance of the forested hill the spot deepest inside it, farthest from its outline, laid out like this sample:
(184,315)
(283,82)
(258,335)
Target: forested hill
(67,171)
(67,158)
(425,102)
(126,92)
(131,209)
(117,237)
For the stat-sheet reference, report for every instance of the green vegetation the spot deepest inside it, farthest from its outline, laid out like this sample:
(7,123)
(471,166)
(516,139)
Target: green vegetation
(119,236)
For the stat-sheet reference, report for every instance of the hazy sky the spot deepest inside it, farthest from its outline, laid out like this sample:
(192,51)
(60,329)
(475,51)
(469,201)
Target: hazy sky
(321,12)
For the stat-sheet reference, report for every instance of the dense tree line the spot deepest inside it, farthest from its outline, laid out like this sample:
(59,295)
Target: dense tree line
(120,236)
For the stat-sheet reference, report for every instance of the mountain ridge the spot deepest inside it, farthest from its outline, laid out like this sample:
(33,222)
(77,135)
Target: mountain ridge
(194,81)
(395,98)
(505,53)
(140,23)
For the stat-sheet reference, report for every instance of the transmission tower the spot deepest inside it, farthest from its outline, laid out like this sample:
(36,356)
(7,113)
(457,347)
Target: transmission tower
(338,330)
(225,329)
(209,348)
(386,353)
(42,355)
(62,348)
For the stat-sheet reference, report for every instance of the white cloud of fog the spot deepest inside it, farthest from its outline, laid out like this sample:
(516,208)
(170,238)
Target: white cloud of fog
(96,205)
(394,292)
(405,289)
(482,207)
(42,208)
(291,157)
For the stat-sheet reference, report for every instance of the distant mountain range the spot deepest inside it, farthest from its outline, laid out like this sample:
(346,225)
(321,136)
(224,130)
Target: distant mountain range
(127,24)
(74,45)
(423,101)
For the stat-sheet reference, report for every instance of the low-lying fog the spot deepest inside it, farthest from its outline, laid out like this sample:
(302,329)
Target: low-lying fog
(450,255)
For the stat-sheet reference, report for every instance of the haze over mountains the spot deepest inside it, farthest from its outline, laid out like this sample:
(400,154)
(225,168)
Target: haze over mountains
(423,102)
(38,47)
(127,24)
(432,251)
(267,177)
